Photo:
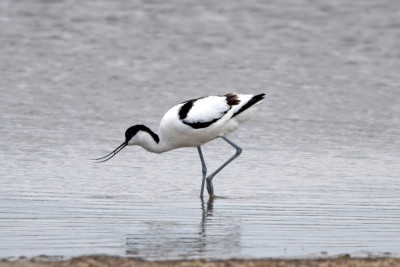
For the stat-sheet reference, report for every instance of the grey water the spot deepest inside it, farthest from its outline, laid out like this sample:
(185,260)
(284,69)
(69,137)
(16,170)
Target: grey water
(319,175)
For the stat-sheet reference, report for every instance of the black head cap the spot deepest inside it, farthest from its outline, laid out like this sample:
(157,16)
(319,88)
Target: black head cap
(133,130)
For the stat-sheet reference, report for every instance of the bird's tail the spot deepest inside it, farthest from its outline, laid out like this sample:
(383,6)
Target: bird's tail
(257,99)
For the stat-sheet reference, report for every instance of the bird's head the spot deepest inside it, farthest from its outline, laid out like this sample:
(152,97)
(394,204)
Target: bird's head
(134,135)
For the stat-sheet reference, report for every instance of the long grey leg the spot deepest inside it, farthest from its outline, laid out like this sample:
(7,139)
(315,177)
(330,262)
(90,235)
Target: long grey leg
(203,170)
(210,187)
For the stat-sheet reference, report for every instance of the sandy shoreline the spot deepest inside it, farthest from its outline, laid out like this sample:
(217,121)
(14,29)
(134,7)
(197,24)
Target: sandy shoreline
(100,261)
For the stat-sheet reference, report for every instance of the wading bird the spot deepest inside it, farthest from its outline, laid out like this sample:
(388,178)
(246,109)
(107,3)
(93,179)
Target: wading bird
(193,123)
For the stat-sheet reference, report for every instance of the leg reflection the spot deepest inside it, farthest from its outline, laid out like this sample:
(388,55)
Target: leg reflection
(207,213)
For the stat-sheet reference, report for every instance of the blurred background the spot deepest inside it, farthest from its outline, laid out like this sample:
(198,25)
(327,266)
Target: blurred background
(320,170)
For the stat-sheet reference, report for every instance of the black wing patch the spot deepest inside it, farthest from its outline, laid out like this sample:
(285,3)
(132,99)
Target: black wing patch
(184,110)
(199,125)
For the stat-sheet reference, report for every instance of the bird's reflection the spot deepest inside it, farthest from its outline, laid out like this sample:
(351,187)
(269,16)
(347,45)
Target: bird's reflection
(165,239)
(207,212)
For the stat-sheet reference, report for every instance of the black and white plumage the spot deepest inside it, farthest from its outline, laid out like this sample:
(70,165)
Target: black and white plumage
(193,123)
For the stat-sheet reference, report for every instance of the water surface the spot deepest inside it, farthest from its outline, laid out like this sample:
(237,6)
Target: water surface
(319,175)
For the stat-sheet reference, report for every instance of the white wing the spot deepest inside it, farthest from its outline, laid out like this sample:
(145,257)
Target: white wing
(202,112)
(207,109)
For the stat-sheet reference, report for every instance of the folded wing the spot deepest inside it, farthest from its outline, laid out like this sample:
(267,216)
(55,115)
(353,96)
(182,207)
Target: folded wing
(203,112)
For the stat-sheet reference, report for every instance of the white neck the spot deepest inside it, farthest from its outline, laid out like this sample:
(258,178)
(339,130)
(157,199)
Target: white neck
(145,140)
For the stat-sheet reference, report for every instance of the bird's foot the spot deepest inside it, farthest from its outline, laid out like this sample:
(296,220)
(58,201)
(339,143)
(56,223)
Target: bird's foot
(210,187)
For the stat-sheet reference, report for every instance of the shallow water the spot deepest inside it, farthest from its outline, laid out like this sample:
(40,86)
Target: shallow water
(319,175)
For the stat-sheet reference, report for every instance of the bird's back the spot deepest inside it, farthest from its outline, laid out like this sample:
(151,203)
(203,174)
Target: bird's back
(198,121)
